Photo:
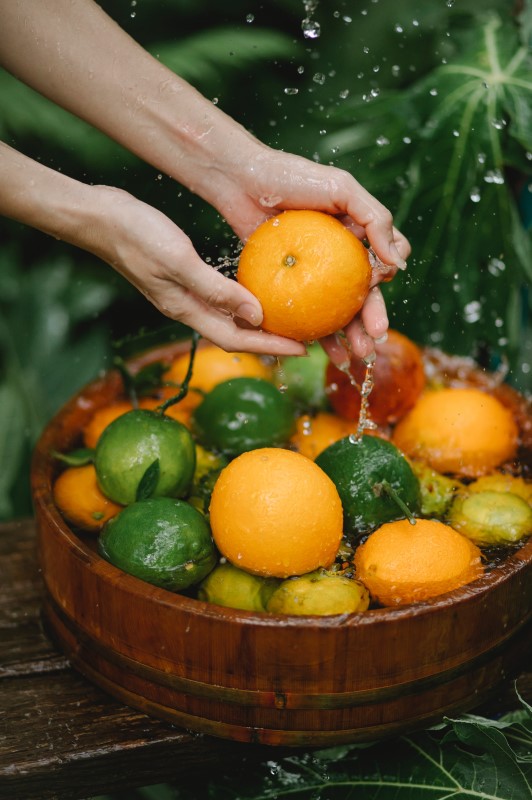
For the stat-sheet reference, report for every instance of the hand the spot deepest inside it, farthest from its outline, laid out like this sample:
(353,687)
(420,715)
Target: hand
(159,259)
(270,181)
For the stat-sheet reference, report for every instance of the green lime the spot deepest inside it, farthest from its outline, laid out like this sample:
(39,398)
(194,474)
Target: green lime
(319,593)
(491,518)
(144,454)
(303,378)
(243,414)
(367,474)
(229,586)
(162,540)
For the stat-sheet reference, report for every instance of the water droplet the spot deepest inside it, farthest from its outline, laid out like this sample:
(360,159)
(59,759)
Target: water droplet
(301,70)
(494,176)
(499,124)
(456,133)
(407,140)
(291,90)
(382,141)
(311,29)
(481,158)
(344,93)
(398,28)
(433,92)
(348,20)
(319,77)
(323,132)
(215,101)
(496,267)
(250,17)
(365,50)
(396,70)
(475,195)
(375,92)
(472,311)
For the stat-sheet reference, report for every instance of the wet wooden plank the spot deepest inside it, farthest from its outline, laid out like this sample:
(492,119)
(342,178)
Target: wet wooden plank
(59,735)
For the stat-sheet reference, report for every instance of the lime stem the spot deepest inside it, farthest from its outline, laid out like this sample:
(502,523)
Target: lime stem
(127,378)
(184,386)
(387,488)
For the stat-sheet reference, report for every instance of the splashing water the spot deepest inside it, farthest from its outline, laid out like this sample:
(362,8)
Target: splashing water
(311,29)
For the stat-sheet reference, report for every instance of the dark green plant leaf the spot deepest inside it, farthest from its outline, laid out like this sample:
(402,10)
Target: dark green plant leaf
(441,147)
(200,58)
(12,444)
(148,482)
(149,377)
(75,458)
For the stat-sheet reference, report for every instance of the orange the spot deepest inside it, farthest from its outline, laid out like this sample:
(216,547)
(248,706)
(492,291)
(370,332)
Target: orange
(275,513)
(78,497)
(314,433)
(104,416)
(212,366)
(398,378)
(310,273)
(465,432)
(402,563)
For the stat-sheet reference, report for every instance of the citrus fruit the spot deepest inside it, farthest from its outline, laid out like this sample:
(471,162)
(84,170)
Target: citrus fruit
(229,586)
(242,414)
(314,433)
(402,563)
(437,490)
(457,430)
(310,273)
(367,473)
(208,467)
(78,497)
(103,417)
(319,593)
(502,482)
(142,440)
(398,376)
(161,540)
(302,378)
(273,512)
(212,366)
(491,518)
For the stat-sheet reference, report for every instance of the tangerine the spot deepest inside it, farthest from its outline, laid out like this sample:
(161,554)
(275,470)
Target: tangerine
(80,500)
(310,273)
(275,513)
(212,366)
(462,431)
(314,433)
(401,563)
(398,380)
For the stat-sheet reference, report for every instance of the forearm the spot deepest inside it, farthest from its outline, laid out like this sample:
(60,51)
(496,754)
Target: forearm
(72,52)
(44,199)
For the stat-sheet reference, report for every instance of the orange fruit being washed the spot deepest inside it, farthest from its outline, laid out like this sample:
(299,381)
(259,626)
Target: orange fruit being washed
(212,366)
(465,432)
(402,563)
(310,273)
(398,375)
(80,500)
(275,513)
(314,433)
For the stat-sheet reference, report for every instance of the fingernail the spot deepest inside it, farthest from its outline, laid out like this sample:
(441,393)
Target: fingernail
(250,313)
(399,262)
(382,339)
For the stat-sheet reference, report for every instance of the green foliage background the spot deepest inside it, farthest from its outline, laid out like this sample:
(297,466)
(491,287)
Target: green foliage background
(427,104)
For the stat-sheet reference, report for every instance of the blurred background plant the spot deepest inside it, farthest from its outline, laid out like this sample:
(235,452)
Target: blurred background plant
(427,104)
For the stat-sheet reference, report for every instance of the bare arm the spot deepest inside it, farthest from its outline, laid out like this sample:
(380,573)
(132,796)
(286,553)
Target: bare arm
(72,52)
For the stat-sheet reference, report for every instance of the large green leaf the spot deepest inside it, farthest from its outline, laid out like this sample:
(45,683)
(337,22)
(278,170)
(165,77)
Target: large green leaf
(438,153)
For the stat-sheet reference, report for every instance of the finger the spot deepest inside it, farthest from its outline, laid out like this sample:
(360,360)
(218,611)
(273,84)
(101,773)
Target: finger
(220,327)
(360,343)
(220,292)
(373,315)
(337,348)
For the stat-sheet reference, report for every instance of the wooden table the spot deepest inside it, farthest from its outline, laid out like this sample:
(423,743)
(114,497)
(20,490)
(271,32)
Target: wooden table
(62,737)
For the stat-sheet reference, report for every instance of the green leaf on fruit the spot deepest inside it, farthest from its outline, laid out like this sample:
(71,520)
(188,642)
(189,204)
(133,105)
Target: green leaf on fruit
(75,458)
(149,480)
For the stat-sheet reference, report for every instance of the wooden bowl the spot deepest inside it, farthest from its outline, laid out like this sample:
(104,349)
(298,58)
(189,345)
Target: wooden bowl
(272,679)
